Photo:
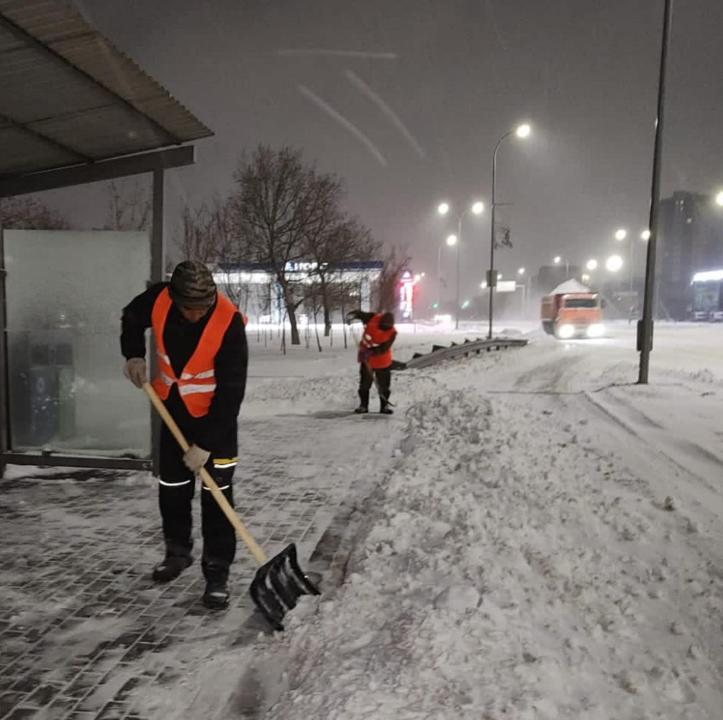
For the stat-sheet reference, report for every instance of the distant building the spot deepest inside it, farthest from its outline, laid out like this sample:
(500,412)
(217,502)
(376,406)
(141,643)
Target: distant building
(254,289)
(690,241)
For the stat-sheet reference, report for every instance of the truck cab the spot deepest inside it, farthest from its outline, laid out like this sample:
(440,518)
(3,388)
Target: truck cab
(569,315)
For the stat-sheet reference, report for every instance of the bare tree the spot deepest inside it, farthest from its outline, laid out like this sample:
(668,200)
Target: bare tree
(272,208)
(206,235)
(129,205)
(27,213)
(205,231)
(395,263)
(331,240)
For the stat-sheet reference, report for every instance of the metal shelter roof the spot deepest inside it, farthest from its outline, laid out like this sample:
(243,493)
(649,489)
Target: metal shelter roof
(69,97)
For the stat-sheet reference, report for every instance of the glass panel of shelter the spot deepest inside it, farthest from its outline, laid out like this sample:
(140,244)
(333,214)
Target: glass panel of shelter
(64,295)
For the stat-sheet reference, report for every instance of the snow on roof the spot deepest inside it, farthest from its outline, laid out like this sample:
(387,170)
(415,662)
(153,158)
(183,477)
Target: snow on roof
(570,286)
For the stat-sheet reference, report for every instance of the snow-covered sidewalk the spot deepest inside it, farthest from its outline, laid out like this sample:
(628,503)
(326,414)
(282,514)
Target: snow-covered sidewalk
(83,631)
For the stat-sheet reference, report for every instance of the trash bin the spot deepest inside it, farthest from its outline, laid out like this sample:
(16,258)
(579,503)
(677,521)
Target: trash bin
(66,401)
(42,393)
(43,386)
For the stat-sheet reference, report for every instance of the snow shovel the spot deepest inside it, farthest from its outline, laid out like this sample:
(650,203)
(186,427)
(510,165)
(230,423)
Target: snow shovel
(279,582)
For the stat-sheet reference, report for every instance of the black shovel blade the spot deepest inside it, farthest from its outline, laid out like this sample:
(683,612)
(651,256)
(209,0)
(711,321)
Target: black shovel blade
(278,584)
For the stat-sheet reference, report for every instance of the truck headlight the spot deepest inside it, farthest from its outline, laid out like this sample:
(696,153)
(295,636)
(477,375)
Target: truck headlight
(596,330)
(565,331)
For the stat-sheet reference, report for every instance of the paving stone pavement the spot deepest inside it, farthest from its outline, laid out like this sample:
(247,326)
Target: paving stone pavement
(85,634)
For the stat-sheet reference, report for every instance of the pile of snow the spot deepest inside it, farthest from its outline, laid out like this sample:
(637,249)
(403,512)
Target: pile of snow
(507,571)
(570,286)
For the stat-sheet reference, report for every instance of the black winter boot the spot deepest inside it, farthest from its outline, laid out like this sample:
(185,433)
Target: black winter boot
(386,410)
(171,567)
(361,410)
(216,595)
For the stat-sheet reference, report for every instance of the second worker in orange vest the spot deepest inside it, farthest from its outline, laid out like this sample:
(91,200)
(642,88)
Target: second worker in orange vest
(202,359)
(375,358)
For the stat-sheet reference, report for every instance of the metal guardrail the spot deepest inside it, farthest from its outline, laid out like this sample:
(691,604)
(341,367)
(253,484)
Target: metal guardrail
(468,347)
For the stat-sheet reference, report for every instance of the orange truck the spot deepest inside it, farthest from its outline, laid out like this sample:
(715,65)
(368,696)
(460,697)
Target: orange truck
(571,310)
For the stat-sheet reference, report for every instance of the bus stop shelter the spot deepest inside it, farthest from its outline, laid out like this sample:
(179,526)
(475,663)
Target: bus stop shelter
(75,110)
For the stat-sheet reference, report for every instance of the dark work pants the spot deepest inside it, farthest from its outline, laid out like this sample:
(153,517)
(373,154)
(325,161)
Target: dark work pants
(175,492)
(366,380)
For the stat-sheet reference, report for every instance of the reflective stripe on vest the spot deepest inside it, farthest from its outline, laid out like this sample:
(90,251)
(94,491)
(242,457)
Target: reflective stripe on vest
(197,382)
(373,336)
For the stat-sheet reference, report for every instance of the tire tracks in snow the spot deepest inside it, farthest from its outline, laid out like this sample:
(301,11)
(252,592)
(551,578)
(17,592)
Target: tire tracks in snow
(659,440)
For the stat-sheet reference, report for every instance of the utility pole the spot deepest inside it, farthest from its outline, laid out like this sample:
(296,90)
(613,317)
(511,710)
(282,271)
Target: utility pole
(645,326)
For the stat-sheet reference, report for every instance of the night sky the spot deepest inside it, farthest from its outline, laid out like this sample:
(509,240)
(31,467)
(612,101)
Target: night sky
(405,99)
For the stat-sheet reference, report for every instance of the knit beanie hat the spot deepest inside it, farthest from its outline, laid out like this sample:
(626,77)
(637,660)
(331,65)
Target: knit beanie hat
(192,285)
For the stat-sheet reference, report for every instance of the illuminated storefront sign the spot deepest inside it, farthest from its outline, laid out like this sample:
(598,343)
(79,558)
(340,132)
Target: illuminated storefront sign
(406,296)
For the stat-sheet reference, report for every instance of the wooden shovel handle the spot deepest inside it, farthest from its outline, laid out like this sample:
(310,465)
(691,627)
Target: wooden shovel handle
(208,481)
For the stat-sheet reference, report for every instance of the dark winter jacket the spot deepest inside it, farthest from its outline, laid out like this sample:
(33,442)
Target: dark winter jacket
(216,431)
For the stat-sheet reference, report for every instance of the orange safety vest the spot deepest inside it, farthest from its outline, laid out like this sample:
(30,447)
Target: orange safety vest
(373,336)
(197,383)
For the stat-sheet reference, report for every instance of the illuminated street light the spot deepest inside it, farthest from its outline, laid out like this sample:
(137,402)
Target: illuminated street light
(521,271)
(499,276)
(585,277)
(621,234)
(719,198)
(476,208)
(645,235)
(560,259)
(483,284)
(522,131)
(614,263)
(591,264)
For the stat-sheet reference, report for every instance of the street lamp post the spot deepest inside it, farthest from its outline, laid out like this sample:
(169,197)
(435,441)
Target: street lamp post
(439,276)
(525,292)
(453,241)
(558,259)
(645,325)
(477,208)
(620,235)
(522,131)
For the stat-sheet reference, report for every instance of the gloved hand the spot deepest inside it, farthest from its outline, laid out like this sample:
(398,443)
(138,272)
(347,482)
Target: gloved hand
(195,458)
(351,315)
(135,371)
(364,354)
